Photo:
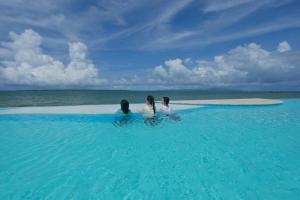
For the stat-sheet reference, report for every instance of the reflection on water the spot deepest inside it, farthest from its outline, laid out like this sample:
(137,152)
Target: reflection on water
(174,117)
(153,121)
(123,120)
(159,118)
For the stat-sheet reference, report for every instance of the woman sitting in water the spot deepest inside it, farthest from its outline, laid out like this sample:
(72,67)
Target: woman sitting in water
(124,107)
(165,109)
(149,110)
(123,118)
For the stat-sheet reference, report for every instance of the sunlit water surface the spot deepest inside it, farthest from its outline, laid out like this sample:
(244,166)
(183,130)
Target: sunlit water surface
(216,152)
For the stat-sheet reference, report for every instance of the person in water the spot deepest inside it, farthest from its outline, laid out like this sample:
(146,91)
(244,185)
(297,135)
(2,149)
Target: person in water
(149,112)
(149,109)
(125,106)
(165,109)
(123,118)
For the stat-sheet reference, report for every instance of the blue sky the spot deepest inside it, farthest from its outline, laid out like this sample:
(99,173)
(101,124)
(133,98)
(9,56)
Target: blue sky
(139,44)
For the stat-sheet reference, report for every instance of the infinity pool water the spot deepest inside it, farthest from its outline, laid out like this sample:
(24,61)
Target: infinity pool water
(214,152)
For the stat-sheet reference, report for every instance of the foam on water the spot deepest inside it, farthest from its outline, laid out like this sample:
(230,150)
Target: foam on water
(217,152)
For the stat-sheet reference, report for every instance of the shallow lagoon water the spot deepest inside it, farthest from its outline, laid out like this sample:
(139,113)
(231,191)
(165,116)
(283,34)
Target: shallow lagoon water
(214,152)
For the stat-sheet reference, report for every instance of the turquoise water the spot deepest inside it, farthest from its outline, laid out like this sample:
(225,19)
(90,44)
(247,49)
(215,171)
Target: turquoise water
(215,152)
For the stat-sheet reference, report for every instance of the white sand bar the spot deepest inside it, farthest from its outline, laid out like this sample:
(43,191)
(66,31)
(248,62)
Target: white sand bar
(112,108)
(83,109)
(252,101)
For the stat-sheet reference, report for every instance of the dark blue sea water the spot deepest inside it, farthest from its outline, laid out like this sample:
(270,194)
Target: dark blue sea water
(84,97)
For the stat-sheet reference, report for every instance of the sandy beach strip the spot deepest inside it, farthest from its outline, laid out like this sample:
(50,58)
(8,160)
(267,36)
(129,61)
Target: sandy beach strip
(135,108)
(252,101)
(84,109)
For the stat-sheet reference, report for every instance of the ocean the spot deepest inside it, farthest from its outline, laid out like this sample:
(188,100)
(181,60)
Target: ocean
(95,97)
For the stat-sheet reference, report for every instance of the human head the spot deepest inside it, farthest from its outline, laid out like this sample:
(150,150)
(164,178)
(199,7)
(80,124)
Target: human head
(124,106)
(166,101)
(150,100)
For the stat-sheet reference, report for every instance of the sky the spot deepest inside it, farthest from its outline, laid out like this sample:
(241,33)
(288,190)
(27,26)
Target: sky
(148,45)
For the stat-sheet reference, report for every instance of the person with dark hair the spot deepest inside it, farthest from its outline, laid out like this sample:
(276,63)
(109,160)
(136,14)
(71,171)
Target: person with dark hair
(125,106)
(149,110)
(165,109)
(123,117)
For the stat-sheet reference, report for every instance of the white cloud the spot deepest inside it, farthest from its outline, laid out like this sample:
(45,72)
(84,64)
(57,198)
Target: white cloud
(213,6)
(284,46)
(157,24)
(23,63)
(248,64)
(172,10)
(160,71)
(77,51)
(29,66)
(190,38)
